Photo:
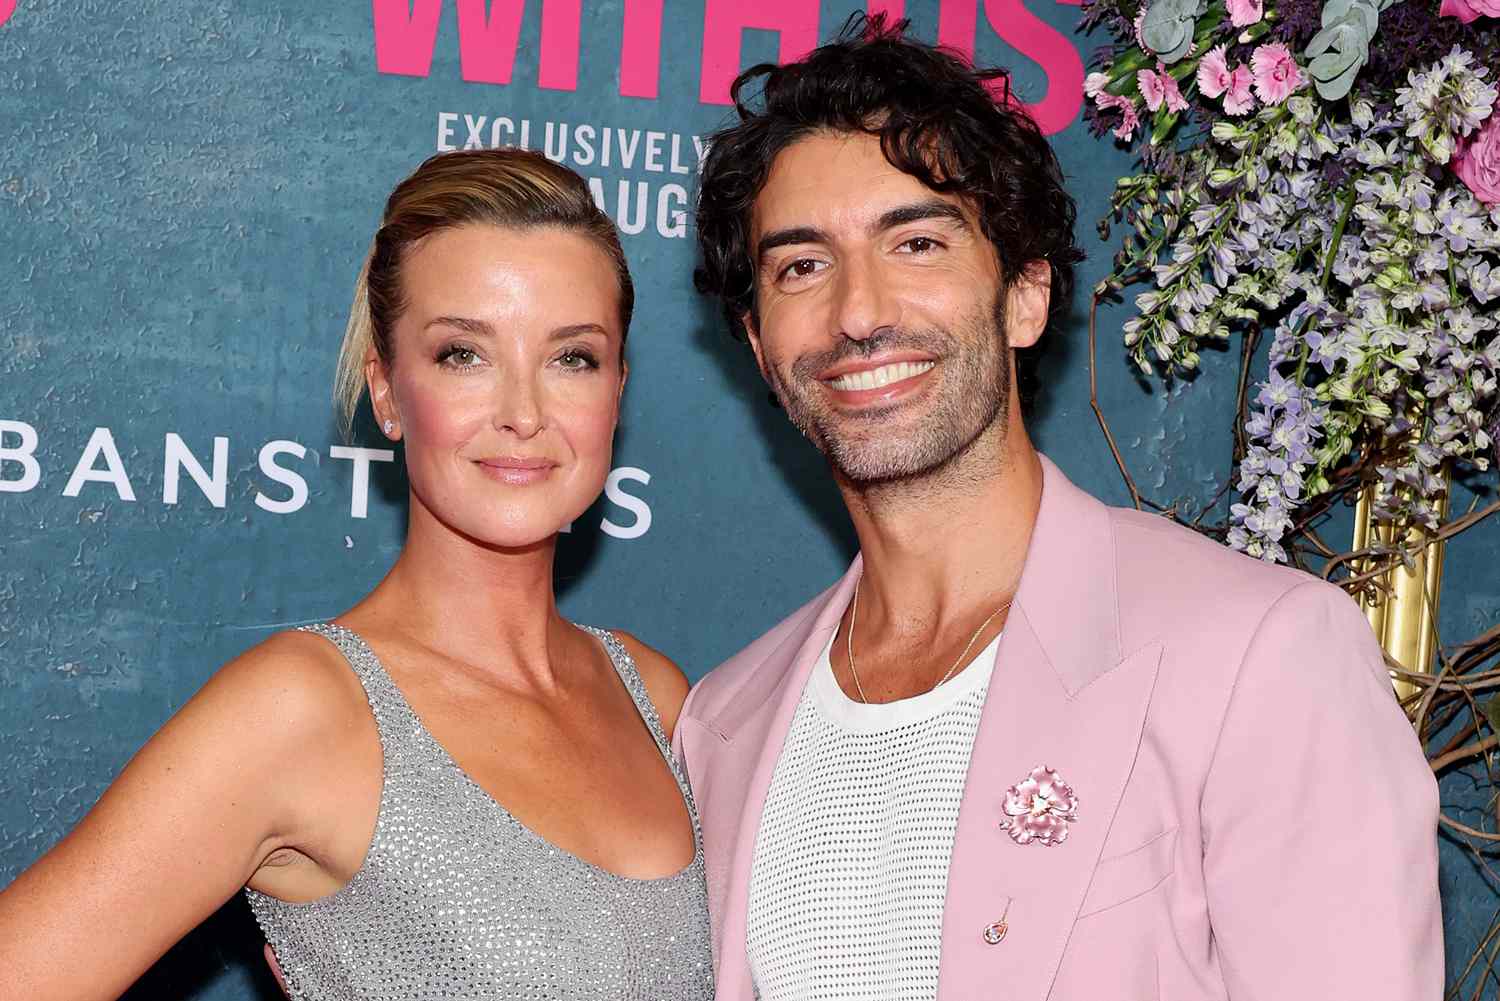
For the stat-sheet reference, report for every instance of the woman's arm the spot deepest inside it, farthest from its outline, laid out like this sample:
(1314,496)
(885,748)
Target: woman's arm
(222,785)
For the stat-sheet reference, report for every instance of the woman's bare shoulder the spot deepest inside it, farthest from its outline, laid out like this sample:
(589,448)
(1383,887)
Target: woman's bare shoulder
(665,682)
(292,684)
(236,773)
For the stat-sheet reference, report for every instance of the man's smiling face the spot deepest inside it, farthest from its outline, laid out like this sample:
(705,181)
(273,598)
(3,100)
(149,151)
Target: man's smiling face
(881,320)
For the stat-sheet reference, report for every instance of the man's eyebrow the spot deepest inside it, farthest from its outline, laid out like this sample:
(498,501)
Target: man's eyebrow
(784,237)
(932,208)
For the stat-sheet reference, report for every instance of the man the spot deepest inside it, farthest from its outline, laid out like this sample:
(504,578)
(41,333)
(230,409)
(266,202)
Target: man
(1029,746)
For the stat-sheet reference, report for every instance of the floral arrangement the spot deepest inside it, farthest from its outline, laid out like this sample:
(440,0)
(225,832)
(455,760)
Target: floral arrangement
(1326,174)
(1321,179)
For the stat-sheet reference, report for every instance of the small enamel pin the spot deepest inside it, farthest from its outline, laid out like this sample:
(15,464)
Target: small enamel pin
(1039,808)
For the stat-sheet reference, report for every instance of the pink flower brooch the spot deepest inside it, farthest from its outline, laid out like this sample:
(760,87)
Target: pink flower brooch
(1040,808)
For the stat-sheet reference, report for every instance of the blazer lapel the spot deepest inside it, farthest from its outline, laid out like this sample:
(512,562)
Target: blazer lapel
(1091,740)
(751,730)
(1063,696)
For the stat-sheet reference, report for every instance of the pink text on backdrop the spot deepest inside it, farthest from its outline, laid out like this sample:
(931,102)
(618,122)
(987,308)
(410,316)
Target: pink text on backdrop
(7,8)
(406,34)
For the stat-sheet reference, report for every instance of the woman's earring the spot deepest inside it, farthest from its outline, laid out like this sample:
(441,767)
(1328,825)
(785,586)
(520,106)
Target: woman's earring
(388,427)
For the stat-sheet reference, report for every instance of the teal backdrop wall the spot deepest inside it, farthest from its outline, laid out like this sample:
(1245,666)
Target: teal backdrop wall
(187,188)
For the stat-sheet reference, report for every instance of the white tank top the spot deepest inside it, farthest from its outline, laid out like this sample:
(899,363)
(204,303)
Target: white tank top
(851,862)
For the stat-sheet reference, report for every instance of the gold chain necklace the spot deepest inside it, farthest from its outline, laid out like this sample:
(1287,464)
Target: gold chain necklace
(849,643)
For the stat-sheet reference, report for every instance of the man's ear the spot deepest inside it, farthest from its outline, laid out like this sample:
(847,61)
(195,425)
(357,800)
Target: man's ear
(752,334)
(1027,304)
(382,402)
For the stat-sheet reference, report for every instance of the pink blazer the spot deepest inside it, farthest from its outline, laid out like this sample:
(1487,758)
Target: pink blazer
(1256,820)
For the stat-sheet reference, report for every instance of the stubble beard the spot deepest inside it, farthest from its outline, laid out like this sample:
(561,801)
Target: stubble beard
(867,450)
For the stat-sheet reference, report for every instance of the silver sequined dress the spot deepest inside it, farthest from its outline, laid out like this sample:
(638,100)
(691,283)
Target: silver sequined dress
(458,900)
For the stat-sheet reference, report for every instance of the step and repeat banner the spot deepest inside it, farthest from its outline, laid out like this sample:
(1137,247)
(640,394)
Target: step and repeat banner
(187,189)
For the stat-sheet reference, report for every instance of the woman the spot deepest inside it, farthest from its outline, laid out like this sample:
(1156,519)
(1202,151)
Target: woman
(450,791)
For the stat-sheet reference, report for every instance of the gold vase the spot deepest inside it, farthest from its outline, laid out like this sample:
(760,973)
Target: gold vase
(1403,609)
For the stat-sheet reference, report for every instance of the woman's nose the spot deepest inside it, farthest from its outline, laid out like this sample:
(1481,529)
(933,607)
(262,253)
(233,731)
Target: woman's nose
(518,409)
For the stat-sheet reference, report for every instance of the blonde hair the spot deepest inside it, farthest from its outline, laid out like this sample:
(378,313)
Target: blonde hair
(503,187)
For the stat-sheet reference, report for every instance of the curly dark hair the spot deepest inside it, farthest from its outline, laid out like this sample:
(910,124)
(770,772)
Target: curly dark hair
(937,120)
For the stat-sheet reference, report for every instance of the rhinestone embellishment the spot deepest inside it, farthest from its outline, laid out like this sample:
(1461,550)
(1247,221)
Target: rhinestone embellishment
(458,900)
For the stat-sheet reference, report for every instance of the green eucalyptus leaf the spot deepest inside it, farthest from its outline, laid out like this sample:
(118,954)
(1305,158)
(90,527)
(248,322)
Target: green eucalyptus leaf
(1167,27)
(1340,50)
(1334,70)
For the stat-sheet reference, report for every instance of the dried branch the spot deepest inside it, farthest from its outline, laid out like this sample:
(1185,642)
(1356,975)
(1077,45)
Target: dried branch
(1135,494)
(1466,830)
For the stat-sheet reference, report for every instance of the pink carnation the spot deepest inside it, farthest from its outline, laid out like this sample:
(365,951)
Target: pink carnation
(1469,10)
(1175,100)
(1129,119)
(1158,88)
(1152,90)
(1213,73)
(1237,98)
(1276,72)
(1094,83)
(1476,161)
(1243,13)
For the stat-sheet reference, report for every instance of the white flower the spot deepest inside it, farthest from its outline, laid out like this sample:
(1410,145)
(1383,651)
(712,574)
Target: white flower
(1362,114)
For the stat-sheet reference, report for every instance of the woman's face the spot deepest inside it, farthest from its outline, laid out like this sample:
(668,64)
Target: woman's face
(506,379)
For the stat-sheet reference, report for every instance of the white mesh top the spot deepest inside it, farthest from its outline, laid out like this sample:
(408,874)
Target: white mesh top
(851,861)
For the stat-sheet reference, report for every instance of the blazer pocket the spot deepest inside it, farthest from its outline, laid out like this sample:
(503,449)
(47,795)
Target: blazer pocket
(1122,878)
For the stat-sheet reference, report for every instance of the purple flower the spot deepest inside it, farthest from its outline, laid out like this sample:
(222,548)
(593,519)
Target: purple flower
(1039,808)
(1325,349)
(1292,437)
(1291,489)
(1245,515)
(1280,393)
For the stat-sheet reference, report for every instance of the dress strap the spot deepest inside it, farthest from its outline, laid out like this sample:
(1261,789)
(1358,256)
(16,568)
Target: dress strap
(392,714)
(624,665)
(631,676)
